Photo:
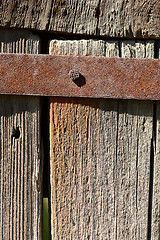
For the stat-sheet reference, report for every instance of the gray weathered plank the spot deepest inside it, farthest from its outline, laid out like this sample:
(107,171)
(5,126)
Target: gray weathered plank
(131,18)
(135,128)
(18,41)
(119,18)
(137,49)
(20,186)
(74,16)
(85,47)
(155,220)
(100,157)
(133,169)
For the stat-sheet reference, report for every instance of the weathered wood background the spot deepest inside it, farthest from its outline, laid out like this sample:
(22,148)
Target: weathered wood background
(104,154)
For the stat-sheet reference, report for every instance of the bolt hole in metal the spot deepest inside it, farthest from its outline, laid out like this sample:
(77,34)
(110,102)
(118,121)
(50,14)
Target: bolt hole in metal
(15,133)
(77,77)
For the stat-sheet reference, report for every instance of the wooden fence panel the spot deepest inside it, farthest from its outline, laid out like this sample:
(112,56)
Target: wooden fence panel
(103,152)
(100,157)
(20,171)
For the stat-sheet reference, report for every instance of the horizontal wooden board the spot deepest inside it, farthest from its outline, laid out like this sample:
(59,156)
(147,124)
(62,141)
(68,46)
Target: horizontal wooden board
(119,18)
(123,18)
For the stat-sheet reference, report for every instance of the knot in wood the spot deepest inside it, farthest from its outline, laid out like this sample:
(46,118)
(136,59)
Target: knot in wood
(74,74)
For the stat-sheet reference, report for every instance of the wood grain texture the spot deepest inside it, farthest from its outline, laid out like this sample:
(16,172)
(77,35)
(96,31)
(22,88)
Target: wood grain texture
(155,218)
(137,49)
(131,18)
(19,41)
(74,16)
(133,169)
(119,18)
(82,168)
(99,171)
(85,47)
(100,158)
(20,166)
(134,193)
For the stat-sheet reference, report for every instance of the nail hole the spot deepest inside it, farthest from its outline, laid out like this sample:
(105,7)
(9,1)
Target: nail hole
(87,179)
(16,133)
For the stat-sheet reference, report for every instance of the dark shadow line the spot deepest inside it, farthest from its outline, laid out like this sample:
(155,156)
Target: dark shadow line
(44,131)
(152,155)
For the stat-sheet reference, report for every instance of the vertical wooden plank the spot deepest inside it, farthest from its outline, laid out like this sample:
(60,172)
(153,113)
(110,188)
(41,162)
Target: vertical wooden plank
(100,157)
(20,187)
(133,168)
(82,168)
(18,41)
(155,220)
(80,130)
(135,127)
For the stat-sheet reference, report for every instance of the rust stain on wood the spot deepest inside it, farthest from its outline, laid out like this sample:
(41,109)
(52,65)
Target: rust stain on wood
(103,77)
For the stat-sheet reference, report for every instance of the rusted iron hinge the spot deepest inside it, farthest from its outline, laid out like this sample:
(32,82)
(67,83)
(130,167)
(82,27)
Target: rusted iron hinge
(79,76)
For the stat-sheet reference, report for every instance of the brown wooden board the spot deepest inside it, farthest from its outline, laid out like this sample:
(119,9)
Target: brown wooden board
(120,18)
(100,161)
(20,164)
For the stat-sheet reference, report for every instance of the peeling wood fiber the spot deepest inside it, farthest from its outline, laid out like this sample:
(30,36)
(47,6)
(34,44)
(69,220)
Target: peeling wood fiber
(119,18)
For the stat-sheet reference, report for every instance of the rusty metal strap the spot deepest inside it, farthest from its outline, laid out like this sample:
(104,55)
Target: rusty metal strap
(79,76)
